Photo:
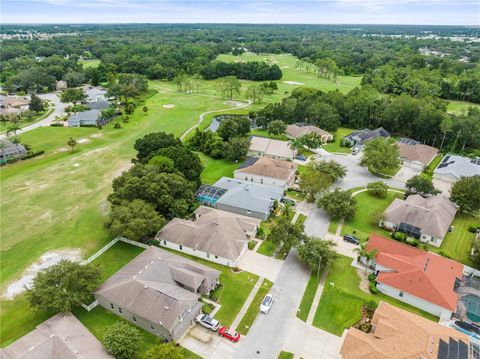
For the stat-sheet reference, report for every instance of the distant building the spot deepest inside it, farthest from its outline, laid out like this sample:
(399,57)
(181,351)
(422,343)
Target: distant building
(95,93)
(301,129)
(60,337)
(84,118)
(266,147)
(416,155)
(427,219)
(267,171)
(98,105)
(13,105)
(398,334)
(358,138)
(241,197)
(10,151)
(217,236)
(453,167)
(158,291)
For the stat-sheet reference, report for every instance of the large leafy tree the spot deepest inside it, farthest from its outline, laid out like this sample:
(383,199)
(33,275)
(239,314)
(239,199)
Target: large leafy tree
(466,194)
(283,231)
(276,127)
(63,287)
(338,204)
(330,169)
(128,86)
(421,185)
(185,161)
(318,176)
(236,126)
(73,95)
(151,143)
(381,154)
(236,148)
(36,103)
(135,220)
(323,115)
(317,254)
(165,351)
(122,340)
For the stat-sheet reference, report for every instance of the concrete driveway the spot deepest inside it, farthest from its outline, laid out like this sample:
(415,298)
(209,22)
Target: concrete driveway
(269,332)
(267,267)
(442,186)
(216,348)
(405,174)
(317,222)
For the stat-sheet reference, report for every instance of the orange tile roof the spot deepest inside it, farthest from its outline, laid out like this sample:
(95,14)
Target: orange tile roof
(398,334)
(423,274)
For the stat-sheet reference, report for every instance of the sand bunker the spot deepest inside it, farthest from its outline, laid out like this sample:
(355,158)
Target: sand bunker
(293,83)
(47,260)
(234,103)
(83,140)
(285,67)
(169,105)
(76,165)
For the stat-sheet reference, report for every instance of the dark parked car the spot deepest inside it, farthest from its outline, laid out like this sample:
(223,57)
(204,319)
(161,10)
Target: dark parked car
(350,238)
(289,201)
(301,158)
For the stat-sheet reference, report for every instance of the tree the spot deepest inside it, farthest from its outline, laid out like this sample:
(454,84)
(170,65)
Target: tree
(165,351)
(135,220)
(73,95)
(63,287)
(162,163)
(323,115)
(228,87)
(380,154)
(421,185)
(378,189)
(312,182)
(235,126)
(310,140)
(364,253)
(339,205)
(36,104)
(72,143)
(151,143)
(255,93)
(283,231)
(331,169)
(122,340)
(317,254)
(466,194)
(185,160)
(236,148)
(128,86)
(276,127)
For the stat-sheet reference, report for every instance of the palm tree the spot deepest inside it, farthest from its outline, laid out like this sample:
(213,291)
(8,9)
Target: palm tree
(287,210)
(364,253)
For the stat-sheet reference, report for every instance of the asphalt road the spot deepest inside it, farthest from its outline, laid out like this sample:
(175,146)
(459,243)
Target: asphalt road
(269,331)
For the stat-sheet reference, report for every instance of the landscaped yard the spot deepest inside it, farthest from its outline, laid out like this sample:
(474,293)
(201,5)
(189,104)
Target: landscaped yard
(308,296)
(267,248)
(215,169)
(336,147)
(340,304)
(368,214)
(285,355)
(254,308)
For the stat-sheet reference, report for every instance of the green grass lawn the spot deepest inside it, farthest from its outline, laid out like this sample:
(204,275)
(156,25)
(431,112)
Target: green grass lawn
(301,219)
(89,63)
(368,214)
(254,308)
(428,171)
(385,172)
(215,169)
(296,195)
(336,147)
(308,296)
(264,133)
(340,305)
(332,227)
(267,248)
(459,106)
(285,355)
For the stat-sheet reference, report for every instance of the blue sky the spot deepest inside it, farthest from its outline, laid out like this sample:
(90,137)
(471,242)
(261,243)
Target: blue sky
(442,12)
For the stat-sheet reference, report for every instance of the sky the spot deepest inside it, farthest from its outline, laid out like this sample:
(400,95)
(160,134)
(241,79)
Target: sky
(421,12)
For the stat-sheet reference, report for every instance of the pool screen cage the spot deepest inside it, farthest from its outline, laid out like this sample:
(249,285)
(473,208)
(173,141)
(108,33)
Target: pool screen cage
(209,195)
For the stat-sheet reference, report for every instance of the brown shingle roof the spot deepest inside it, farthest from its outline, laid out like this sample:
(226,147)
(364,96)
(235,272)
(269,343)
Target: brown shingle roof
(398,334)
(296,131)
(417,153)
(271,147)
(268,167)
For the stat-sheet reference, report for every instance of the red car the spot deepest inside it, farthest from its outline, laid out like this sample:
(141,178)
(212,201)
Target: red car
(230,334)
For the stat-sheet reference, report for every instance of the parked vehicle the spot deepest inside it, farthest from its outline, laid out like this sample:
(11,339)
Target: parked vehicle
(207,321)
(266,304)
(355,150)
(229,333)
(351,238)
(289,201)
(301,158)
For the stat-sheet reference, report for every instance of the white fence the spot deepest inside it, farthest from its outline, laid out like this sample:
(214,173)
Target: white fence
(110,244)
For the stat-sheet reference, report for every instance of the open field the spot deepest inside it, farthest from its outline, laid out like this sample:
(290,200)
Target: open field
(459,106)
(340,304)
(89,63)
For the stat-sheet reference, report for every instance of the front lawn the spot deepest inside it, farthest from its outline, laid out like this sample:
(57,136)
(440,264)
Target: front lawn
(368,214)
(285,355)
(267,248)
(385,172)
(252,312)
(214,169)
(336,147)
(340,305)
(308,296)
(296,195)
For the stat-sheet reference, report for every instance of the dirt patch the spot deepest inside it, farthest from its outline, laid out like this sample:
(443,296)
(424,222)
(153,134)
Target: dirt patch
(293,83)
(83,140)
(168,105)
(364,283)
(96,135)
(46,260)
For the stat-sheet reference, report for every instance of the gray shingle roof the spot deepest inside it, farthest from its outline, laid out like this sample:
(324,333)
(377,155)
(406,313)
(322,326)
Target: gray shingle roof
(458,166)
(85,115)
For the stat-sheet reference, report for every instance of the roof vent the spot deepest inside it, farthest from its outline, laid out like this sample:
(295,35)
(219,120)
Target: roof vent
(31,348)
(52,335)
(134,277)
(166,308)
(160,322)
(146,287)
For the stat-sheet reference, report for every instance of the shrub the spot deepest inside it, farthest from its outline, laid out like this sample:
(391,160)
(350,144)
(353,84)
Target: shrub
(33,154)
(371,277)
(373,288)
(56,124)
(207,308)
(474,229)
(378,189)
(399,236)
(129,108)
(252,244)
(122,340)
(85,125)
(117,125)
(413,242)
(125,118)
(215,295)
(145,109)
(370,307)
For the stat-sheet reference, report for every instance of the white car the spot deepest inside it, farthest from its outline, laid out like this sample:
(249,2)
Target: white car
(355,150)
(266,304)
(207,321)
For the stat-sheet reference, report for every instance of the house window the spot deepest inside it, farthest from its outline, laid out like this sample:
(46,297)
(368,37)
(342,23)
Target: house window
(164,243)
(208,255)
(112,306)
(400,294)
(134,319)
(216,257)
(261,180)
(180,246)
(120,310)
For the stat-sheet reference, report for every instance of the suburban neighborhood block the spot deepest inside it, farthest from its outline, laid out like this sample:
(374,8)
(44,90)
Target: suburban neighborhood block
(267,171)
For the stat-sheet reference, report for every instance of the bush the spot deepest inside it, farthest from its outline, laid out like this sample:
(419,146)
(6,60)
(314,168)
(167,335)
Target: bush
(474,229)
(260,232)
(33,154)
(84,125)
(129,108)
(371,277)
(370,307)
(252,244)
(56,124)
(413,242)
(215,295)
(378,189)
(117,125)
(399,236)
(207,308)
(373,288)
(125,119)
(122,340)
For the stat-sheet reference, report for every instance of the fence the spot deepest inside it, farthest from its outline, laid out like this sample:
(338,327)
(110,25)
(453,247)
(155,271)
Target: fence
(110,244)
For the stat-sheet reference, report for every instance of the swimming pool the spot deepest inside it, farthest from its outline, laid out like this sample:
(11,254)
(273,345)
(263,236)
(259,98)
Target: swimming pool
(472,304)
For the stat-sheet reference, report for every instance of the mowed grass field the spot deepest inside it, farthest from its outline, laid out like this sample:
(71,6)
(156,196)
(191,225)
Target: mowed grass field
(459,106)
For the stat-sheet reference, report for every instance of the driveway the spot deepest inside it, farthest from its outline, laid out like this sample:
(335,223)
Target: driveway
(442,186)
(317,222)
(406,173)
(269,332)
(267,267)
(216,346)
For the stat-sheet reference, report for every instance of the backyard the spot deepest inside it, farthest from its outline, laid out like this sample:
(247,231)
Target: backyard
(336,147)
(214,169)
(342,299)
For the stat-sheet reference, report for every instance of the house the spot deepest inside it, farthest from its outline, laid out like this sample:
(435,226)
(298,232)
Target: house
(266,147)
(301,129)
(416,277)
(98,105)
(10,151)
(358,138)
(62,336)
(453,167)
(240,197)
(84,118)
(267,171)
(95,93)
(427,219)
(214,235)
(13,105)
(398,334)
(415,155)
(158,291)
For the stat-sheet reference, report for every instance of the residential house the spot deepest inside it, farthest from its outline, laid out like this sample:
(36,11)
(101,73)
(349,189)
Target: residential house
(84,118)
(266,147)
(301,129)
(241,197)
(62,336)
(98,105)
(10,151)
(453,167)
(416,277)
(95,93)
(359,137)
(427,219)
(214,235)
(398,334)
(13,105)
(416,155)
(267,171)
(158,291)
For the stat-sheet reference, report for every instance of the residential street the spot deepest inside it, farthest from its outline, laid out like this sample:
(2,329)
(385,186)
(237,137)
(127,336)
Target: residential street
(269,332)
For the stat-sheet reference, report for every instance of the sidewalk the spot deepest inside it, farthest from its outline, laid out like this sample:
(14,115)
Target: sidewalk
(247,303)
(316,299)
